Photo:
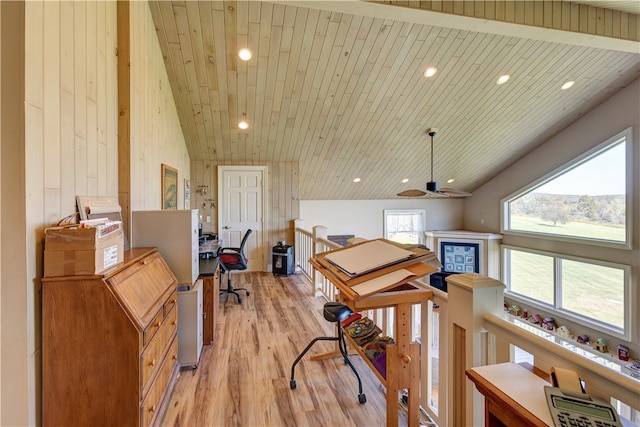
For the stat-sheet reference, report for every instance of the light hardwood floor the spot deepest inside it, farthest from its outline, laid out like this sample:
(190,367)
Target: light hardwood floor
(243,377)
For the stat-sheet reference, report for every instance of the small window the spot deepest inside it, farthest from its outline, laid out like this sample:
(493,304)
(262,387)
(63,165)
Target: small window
(405,226)
(586,199)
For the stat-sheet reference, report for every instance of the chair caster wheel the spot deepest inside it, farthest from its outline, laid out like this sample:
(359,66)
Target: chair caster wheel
(292,384)
(362,398)
(248,293)
(239,300)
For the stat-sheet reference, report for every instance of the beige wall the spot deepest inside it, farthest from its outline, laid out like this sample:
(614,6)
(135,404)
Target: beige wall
(69,110)
(621,111)
(365,218)
(16,293)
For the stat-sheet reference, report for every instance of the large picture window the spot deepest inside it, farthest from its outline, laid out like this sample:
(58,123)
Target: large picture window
(585,290)
(586,199)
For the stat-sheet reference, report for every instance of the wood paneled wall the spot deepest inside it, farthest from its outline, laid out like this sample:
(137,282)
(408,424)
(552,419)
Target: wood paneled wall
(156,134)
(70,140)
(70,147)
(283,205)
(71,103)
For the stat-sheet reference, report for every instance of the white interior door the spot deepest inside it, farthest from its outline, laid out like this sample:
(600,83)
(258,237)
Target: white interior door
(240,207)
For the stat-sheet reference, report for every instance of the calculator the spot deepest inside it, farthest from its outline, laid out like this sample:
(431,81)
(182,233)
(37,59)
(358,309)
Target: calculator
(571,409)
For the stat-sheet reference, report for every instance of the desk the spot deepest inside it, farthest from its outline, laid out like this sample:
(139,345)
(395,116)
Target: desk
(210,275)
(513,395)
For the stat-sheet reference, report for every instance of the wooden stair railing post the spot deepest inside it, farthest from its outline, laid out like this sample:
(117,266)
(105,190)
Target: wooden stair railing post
(470,296)
(319,231)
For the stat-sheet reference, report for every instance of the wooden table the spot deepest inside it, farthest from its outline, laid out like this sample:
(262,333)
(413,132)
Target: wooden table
(514,396)
(403,358)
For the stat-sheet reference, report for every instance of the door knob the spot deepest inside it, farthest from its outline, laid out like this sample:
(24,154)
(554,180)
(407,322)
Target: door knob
(226,227)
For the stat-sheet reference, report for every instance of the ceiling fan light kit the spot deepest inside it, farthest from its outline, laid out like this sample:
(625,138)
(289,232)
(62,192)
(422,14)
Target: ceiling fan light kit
(432,186)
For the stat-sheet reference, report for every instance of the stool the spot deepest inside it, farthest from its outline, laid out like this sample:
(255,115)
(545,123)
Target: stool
(334,312)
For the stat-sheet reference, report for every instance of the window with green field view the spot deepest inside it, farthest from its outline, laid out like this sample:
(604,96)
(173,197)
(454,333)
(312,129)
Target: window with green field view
(404,225)
(583,289)
(585,199)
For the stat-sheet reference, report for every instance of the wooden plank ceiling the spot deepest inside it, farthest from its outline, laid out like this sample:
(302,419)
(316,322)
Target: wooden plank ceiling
(343,93)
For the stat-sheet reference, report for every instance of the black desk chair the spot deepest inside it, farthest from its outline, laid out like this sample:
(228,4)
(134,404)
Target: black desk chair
(334,312)
(233,259)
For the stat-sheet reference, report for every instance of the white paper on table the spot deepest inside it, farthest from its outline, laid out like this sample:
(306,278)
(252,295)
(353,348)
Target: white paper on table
(382,282)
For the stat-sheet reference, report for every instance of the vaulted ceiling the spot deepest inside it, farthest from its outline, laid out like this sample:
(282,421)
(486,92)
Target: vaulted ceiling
(338,86)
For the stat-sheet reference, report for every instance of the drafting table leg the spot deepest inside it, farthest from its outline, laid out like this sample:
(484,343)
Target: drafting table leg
(413,404)
(392,385)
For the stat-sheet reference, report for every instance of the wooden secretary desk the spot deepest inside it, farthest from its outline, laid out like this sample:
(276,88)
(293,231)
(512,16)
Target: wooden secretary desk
(109,346)
(387,287)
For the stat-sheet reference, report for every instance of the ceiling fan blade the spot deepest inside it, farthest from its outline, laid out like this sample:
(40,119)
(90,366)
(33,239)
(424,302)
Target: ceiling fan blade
(436,195)
(452,192)
(411,193)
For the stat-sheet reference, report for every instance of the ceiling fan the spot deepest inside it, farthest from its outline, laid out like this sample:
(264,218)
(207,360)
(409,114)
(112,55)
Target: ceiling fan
(432,186)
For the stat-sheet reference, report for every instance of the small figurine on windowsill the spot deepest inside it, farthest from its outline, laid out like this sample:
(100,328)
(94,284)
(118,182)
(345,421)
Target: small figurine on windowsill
(583,339)
(623,352)
(536,319)
(549,323)
(601,345)
(563,331)
(515,310)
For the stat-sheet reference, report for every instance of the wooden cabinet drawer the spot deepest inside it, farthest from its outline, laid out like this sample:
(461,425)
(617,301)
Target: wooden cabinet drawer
(171,302)
(151,404)
(153,328)
(153,353)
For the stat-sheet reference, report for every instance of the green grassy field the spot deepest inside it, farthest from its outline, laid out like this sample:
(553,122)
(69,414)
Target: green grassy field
(591,290)
(578,229)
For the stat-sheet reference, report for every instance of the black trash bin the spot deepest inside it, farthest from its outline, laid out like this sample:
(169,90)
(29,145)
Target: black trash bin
(282,259)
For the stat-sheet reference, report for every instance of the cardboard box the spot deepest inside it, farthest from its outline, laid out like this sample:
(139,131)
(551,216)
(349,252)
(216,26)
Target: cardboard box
(70,251)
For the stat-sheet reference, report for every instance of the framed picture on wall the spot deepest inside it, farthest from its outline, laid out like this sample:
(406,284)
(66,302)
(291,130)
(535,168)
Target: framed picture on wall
(187,194)
(169,187)
(460,257)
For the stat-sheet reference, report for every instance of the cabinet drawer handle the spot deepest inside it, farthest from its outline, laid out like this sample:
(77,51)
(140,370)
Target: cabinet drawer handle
(174,357)
(152,363)
(157,324)
(174,323)
(152,409)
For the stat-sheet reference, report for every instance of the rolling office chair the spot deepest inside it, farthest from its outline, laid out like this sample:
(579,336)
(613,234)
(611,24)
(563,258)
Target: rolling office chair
(334,312)
(233,259)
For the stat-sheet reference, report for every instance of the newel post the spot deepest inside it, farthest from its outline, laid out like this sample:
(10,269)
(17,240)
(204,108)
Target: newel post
(319,231)
(470,296)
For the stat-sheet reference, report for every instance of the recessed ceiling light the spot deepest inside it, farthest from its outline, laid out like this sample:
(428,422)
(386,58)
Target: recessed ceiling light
(567,85)
(356,180)
(243,124)
(244,54)
(449,181)
(405,180)
(430,72)
(503,79)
